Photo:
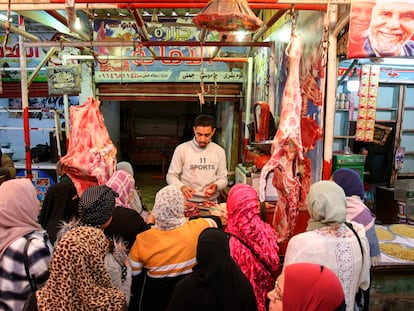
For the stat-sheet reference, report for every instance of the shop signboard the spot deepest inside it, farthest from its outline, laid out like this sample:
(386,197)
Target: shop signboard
(182,63)
(63,80)
(135,63)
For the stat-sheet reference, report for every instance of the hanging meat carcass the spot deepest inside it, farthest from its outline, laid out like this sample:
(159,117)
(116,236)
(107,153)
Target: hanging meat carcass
(287,156)
(227,15)
(91,156)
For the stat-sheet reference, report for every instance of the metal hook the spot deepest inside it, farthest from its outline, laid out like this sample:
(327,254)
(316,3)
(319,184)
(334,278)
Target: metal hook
(293,18)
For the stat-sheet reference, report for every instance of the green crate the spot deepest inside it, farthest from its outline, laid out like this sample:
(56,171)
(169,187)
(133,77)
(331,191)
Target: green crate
(349,159)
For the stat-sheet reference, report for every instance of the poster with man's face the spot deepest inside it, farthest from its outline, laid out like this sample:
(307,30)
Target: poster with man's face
(381,28)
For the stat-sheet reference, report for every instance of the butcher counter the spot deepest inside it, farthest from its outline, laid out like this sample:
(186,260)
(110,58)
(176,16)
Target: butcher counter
(392,280)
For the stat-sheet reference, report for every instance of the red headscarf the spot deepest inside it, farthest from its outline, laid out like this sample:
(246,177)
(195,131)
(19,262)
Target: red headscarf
(311,286)
(253,244)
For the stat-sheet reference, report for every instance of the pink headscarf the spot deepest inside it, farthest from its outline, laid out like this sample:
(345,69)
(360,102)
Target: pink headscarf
(244,222)
(19,209)
(122,183)
(311,286)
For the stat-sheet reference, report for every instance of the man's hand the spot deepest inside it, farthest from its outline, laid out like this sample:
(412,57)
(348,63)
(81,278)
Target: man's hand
(187,191)
(210,190)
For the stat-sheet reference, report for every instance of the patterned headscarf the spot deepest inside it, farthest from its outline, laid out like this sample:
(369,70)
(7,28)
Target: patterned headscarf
(168,208)
(78,278)
(309,286)
(350,181)
(125,166)
(122,183)
(19,209)
(96,205)
(326,205)
(244,222)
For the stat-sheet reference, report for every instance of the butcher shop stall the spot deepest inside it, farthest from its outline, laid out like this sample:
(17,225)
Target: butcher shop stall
(277,77)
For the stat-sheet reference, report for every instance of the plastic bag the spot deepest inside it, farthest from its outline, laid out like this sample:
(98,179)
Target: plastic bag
(227,15)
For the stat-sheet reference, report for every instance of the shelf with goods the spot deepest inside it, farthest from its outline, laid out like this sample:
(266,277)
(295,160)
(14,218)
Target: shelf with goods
(407,132)
(345,113)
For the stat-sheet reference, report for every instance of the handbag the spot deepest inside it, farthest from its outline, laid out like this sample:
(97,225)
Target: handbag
(360,298)
(35,283)
(30,278)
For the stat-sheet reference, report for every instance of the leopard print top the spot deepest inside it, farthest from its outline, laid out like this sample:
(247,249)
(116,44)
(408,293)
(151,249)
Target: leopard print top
(78,278)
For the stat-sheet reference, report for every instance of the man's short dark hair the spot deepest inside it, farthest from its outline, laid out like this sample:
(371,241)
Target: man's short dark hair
(205,120)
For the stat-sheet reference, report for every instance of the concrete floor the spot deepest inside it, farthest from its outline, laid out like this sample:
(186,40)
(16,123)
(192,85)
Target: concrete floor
(149,179)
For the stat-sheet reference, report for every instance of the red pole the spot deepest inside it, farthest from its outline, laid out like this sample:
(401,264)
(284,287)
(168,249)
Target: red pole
(25,102)
(27,142)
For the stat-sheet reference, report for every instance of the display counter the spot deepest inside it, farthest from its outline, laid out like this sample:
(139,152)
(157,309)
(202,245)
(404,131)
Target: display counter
(392,280)
(21,165)
(43,173)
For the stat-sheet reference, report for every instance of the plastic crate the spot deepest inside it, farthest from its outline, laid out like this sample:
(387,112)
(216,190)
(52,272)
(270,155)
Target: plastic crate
(348,159)
(404,190)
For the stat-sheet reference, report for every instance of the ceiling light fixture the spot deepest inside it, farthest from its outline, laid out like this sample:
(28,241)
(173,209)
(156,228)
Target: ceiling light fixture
(352,84)
(78,25)
(285,32)
(240,35)
(406,61)
(4,18)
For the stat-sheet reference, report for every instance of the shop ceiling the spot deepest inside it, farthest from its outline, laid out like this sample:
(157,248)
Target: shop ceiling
(60,15)
(49,16)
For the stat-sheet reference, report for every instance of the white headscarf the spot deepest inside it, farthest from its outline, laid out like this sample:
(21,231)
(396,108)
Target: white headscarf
(19,209)
(125,166)
(169,208)
(326,205)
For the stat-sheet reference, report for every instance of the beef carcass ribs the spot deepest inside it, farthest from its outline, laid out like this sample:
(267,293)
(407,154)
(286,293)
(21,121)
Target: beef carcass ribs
(287,155)
(91,156)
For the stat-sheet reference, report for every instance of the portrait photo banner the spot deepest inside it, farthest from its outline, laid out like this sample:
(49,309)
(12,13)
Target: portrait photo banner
(381,28)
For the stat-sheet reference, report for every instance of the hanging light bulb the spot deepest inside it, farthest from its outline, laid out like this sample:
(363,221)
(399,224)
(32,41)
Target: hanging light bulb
(78,25)
(353,82)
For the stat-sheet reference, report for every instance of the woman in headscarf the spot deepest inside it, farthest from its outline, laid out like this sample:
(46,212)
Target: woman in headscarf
(78,278)
(331,242)
(167,251)
(356,210)
(60,205)
(97,208)
(307,287)
(136,202)
(217,283)
(253,242)
(124,184)
(19,209)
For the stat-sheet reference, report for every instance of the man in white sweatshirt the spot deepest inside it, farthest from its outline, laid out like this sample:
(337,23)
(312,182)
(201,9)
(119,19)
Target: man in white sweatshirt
(198,167)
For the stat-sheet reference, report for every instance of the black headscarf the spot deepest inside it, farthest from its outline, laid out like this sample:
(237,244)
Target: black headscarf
(216,282)
(60,204)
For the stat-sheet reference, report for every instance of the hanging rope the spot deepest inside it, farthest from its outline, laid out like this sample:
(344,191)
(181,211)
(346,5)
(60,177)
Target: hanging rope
(202,92)
(7,27)
(292,12)
(293,18)
(325,36)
